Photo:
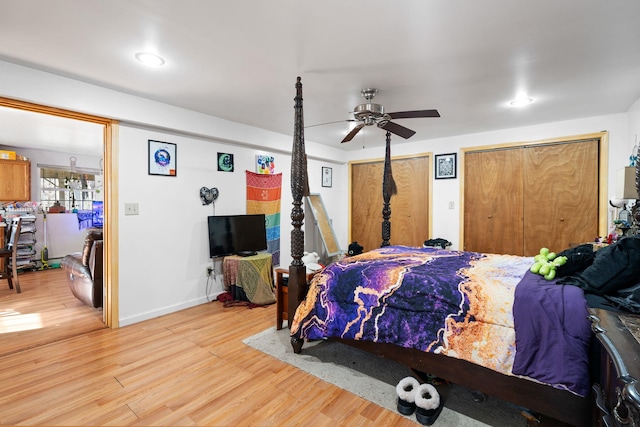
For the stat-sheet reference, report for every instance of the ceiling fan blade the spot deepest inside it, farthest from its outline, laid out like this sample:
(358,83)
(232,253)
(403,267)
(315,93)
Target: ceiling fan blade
(353,133)
(414,114)
(330,123)
(402,131)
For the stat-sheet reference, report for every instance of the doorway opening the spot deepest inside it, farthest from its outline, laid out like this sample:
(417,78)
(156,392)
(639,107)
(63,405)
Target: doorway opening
(108,129)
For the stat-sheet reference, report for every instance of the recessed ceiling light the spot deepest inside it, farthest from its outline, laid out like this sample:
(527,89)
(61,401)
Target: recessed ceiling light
(149,59)
(521,102)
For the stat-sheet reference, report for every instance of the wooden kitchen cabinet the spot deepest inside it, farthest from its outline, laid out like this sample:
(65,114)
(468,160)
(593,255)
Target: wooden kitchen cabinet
(15,181)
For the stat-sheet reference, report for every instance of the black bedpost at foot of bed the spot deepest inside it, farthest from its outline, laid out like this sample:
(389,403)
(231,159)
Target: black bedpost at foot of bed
(299,188)
(297,343)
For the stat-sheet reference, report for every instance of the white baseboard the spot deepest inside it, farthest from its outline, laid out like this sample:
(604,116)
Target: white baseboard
(140,317)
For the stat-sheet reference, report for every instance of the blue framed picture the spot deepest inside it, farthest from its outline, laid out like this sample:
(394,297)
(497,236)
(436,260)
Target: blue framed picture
(162,158)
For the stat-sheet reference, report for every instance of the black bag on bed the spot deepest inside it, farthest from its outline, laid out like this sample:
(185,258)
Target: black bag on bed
(578,259)
(614,267)
(437,243)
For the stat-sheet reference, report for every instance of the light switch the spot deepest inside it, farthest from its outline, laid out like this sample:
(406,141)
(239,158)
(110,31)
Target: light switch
(131,209)
(451,204)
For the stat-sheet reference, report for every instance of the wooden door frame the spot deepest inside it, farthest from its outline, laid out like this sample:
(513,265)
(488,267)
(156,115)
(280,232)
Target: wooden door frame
(430,173)
(110,154)
(603,160)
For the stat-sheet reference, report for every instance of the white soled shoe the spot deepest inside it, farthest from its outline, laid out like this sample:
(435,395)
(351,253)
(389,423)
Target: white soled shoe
(406,391)
(428,404)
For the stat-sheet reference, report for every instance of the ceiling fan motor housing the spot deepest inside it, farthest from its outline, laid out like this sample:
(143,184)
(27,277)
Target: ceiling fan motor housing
(368,113)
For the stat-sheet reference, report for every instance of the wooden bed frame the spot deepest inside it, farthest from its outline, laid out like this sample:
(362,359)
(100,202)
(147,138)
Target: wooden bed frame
(550,406)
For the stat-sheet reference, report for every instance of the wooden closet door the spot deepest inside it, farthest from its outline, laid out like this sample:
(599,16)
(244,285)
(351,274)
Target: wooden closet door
(560,195)
(493,195)
(366,204)
(409,208)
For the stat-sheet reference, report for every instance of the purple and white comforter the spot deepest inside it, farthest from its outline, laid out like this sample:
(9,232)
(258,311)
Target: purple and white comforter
(468,305)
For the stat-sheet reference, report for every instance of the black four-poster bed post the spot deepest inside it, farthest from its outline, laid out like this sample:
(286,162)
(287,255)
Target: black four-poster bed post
(297,286)
(388,189)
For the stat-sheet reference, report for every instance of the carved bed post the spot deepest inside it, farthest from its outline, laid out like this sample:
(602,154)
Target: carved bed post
(388,189)
(297,271)
(636,207)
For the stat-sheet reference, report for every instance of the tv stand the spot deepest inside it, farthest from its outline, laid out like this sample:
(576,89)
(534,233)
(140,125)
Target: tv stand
(246,253)
(249,278)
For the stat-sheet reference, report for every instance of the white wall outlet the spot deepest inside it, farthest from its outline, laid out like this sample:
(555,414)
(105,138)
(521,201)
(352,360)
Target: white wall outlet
(131,209)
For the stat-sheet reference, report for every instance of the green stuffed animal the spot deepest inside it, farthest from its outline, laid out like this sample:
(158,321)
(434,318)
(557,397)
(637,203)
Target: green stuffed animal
(546,263)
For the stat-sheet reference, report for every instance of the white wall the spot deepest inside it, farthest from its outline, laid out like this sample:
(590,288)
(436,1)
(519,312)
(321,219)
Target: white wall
(634,123)
(163,251)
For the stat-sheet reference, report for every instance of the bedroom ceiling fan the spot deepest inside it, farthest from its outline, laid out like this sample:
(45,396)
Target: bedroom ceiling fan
(369,114)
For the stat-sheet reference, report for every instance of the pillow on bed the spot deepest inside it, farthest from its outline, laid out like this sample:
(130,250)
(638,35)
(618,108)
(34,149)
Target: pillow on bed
(614,267)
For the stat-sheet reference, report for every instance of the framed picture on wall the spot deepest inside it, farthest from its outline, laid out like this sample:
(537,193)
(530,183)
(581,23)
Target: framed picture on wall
(327,177)
(225,162)
(162,158)
(445,166)
(265,164)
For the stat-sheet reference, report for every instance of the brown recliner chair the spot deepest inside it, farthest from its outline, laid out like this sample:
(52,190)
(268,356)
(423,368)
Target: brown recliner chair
(84,270)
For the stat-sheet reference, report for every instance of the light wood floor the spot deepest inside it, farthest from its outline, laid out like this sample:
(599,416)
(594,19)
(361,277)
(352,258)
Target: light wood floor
(185,368)
(45,311)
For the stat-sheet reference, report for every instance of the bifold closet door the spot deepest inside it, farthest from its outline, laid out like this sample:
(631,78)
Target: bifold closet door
(409,208)
(493,195)
(560,195)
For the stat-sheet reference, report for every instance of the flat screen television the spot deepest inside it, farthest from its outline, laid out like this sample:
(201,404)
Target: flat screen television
(97,214)
(237,234)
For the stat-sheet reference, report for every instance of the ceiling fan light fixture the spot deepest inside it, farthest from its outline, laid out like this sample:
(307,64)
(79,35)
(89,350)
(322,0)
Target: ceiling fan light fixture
(521,102)
(150,59)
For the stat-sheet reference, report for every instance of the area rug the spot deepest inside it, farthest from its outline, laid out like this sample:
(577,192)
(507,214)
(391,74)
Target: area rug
(374,378)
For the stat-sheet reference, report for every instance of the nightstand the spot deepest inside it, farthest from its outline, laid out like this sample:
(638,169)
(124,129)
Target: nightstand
(282,295)
(617,364)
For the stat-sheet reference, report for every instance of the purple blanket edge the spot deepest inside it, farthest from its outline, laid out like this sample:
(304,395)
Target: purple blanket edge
(553,334)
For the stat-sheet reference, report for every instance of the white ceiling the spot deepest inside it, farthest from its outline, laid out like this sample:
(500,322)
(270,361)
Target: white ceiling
(238,59)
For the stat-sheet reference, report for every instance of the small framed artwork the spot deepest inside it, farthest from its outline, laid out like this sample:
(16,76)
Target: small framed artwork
(327,177)
(265,164)
(162,158)
(225,162)
(446,166)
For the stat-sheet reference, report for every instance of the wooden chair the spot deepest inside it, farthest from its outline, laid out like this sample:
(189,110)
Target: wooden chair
(10,253)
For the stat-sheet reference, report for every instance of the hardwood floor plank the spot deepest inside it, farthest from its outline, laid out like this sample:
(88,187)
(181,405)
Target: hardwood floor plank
(184,368)
(45,311)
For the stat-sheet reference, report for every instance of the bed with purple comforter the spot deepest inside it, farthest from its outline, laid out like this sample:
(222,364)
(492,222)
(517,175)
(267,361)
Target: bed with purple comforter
(486,309)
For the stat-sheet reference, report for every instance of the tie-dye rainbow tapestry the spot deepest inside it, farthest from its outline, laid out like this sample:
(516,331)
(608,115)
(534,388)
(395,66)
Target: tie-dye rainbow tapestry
(263,197)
